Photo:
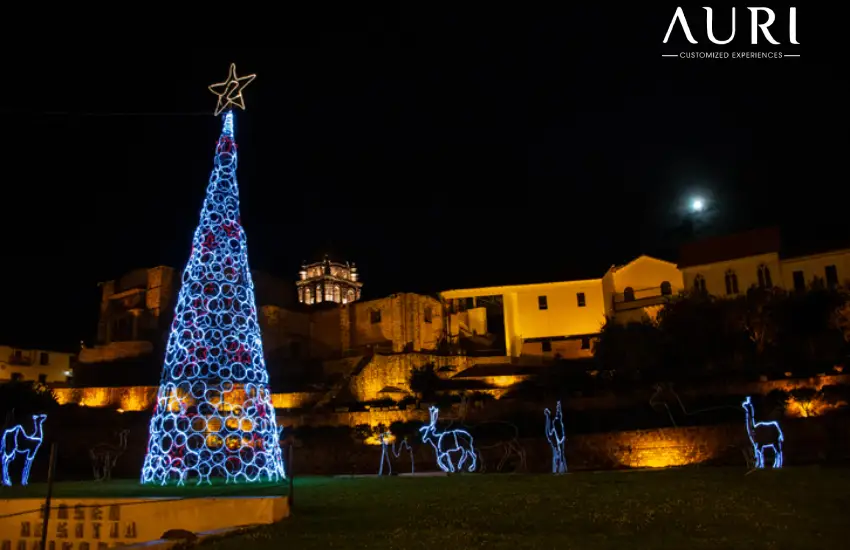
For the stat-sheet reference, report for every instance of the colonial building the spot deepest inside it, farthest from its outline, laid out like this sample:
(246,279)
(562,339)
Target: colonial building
(732,264)
(328,281)
(560,319)
(638,290)
(136,312)
(35,365)
(395,324)
(545,319)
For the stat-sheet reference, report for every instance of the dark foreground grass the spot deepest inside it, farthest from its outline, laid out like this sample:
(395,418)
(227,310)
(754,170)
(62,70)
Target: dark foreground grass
(125,488)
(674,509)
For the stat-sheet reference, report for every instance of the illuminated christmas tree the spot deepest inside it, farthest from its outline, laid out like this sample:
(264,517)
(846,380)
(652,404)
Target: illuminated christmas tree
(213,416)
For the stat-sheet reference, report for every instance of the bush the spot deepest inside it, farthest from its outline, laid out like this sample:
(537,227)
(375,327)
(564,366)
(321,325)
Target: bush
(25,399)
(836,394)
(480,397)
(777,400)
(386,402)
(409,400)
(409,429)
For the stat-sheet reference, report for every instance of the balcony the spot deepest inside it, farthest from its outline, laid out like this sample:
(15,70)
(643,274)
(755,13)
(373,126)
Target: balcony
(641,297)
(20,360)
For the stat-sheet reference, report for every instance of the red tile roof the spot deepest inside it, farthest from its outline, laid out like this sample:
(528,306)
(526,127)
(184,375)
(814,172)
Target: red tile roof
(730,247)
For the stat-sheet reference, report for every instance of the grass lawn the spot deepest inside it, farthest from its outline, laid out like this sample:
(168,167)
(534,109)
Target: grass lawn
(131,489)
(673,509)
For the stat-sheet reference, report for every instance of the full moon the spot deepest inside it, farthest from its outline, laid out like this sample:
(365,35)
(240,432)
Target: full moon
(697,205)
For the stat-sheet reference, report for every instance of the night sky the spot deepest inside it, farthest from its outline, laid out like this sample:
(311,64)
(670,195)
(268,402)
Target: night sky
(431,157)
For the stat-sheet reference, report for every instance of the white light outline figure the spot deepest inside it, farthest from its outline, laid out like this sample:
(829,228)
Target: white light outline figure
(231,91)
(384,457)
(203,425)
(447,443)
(556,430)
(13,434)
(759,447)
(396,453)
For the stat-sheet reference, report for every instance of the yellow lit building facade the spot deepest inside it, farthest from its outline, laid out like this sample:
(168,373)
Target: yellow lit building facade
(636,291)
(34,365)
(562,319)
(539,319)
(731,265)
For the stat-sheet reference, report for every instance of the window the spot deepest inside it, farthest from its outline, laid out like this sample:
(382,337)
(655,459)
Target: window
(585,342)
(44,358)
(42,379)
(375,316)
(629,294)
(122,329)
(799,281)
(17,377)
(831,277)
(581,300)
(731,282)
(308,295)
(547,345)
(337,294)
(666,288)
(542,303)
(428,314)
(699,283)
(764,277)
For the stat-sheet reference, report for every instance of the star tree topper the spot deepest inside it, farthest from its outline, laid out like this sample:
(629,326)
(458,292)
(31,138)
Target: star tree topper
(229,92)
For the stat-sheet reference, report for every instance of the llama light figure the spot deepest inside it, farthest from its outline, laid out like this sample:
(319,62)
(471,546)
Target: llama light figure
(446,443)
(556,437)
(17,441)
(763,435)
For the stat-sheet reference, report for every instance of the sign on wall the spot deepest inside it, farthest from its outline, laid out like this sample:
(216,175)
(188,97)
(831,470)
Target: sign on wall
(77,527)
(89,524)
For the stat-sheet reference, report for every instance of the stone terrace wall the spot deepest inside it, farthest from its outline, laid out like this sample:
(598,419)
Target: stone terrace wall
(394,371)
(142,398)
(806,441)
(612,400)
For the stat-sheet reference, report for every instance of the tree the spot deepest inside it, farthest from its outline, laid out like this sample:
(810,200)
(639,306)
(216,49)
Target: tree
(758,311)
(25,399)
(214,417)
(810,332)
(425,381)
(701,335)
(628,349)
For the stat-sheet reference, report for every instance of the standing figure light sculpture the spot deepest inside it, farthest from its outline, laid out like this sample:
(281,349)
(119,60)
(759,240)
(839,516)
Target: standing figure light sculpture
(17,441)
(104,456)
(763,435)
(384,457)
(213,416)
(447,443)
(557,438)
(396,452)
